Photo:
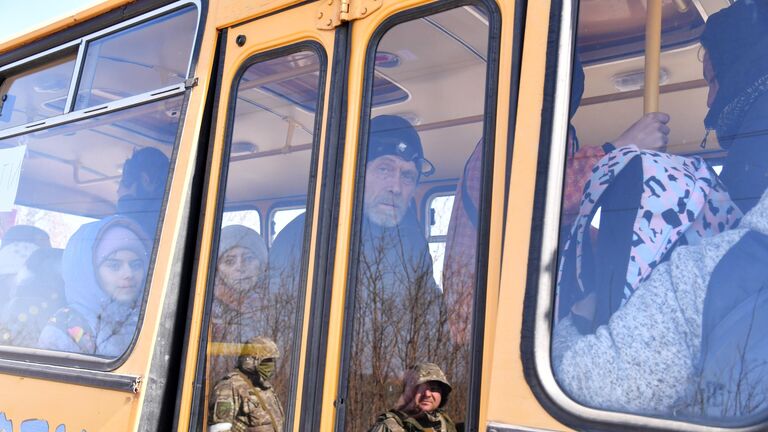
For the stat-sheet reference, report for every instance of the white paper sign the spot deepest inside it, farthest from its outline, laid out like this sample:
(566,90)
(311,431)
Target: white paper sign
(10,172)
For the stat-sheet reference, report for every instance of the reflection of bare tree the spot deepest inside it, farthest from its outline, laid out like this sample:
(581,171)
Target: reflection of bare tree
(106,332)
(234,313)
(733,382)
(279,324)
(115,326)
(400,319)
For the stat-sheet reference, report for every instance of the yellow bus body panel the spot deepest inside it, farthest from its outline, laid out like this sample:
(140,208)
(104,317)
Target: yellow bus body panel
(510,399)
(262,35)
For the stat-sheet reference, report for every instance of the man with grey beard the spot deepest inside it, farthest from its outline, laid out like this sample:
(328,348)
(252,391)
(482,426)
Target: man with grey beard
(392,241)
(399,313)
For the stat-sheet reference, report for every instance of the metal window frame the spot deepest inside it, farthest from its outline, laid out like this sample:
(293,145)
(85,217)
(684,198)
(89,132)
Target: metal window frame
(50,363)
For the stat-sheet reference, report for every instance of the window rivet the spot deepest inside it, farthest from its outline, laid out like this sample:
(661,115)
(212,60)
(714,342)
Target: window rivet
(319,15)
(240,41)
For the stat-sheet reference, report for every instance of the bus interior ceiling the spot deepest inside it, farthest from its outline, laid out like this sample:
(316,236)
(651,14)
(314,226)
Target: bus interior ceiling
(611,48)
(62,174)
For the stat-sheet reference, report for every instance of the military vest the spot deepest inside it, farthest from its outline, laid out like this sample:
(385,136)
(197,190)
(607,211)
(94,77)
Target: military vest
(395,421)
(249,408)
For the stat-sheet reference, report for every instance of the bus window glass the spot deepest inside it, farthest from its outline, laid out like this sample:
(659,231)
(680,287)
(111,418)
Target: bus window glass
(439,216)
(133,61)
(248,218)
(660,307)
(37,93)
(281,218)
(257,296)
(59,226)
(402,319)
(78,228)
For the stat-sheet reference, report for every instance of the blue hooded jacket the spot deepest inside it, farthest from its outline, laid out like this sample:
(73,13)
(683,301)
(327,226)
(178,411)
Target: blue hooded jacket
(93,322)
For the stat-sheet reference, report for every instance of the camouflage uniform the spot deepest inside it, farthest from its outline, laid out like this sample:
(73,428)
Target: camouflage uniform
(246,399)
(398,420)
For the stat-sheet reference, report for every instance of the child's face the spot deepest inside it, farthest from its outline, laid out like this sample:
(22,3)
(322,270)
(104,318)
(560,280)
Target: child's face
(121,276)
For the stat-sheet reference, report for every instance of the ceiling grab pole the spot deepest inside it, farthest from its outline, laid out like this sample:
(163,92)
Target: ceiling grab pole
(682,5)
(652,54)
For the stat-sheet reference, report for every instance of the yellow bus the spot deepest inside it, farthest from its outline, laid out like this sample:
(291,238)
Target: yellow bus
(371,185)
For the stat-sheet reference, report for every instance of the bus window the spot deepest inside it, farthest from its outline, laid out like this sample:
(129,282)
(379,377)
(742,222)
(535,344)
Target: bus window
(401,318)
(248,218)
(439,216)
(258,297)
(82,168)
(37,93)
(660,307)
(81,201)
(149,56)
(281,218)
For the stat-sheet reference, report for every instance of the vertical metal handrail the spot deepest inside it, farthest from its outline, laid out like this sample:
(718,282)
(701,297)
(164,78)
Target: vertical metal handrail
(652,56)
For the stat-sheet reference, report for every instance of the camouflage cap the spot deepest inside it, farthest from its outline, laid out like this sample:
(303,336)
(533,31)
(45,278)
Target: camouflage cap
(427,372)
(260,347)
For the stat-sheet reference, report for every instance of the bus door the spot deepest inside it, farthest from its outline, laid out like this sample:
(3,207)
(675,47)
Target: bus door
(263,196)
(421,200)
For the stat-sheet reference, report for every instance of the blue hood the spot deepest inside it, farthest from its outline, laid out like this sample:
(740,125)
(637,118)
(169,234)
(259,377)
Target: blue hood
(112,323)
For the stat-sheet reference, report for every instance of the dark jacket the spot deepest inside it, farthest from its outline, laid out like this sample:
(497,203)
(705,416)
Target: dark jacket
(397,421)
(745,171)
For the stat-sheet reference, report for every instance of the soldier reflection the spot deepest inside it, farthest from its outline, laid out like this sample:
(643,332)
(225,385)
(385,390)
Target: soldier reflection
(420,406)
(244,400)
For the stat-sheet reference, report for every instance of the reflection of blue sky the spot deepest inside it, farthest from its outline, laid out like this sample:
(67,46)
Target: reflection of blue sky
(34,425)
(21,16)
(5,424)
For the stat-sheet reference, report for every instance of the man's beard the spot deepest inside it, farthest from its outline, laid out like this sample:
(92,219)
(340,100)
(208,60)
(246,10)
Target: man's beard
(387,219)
